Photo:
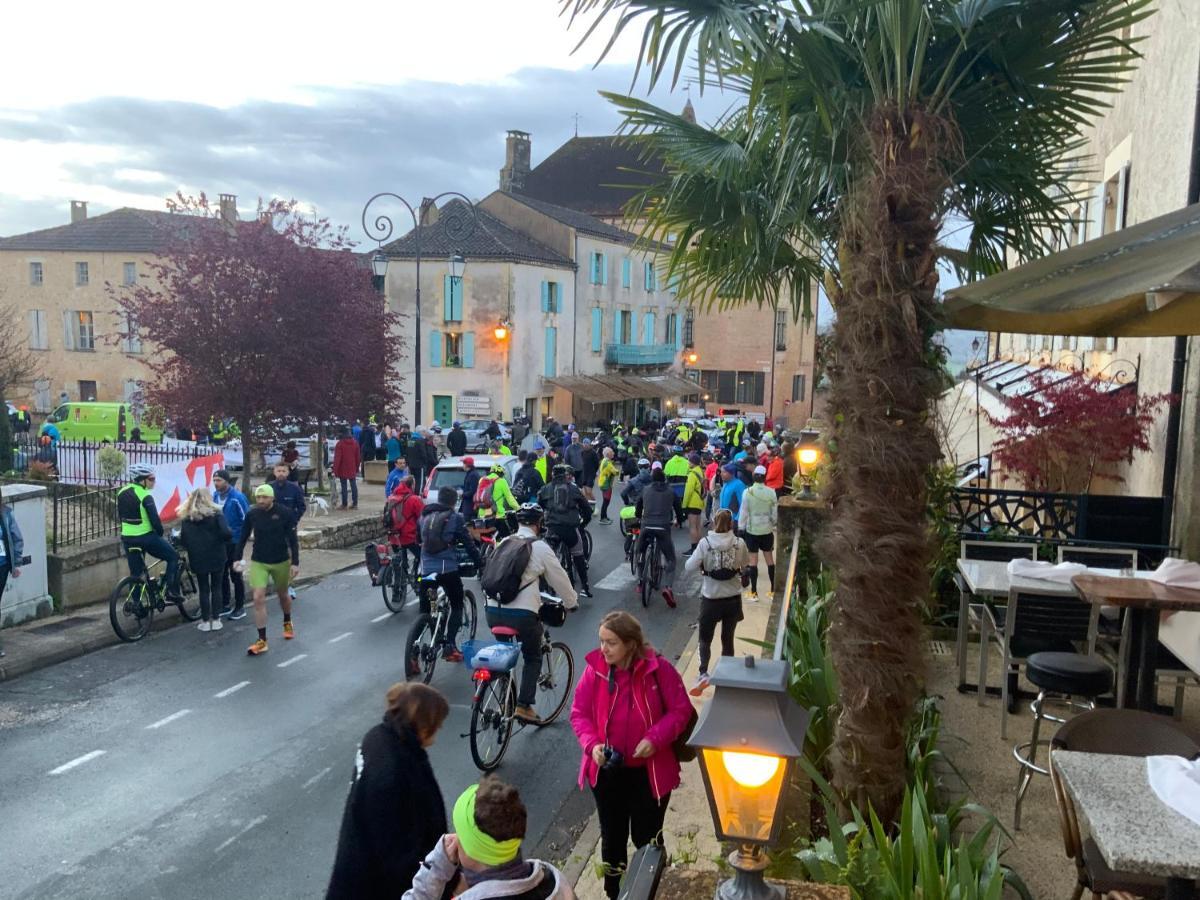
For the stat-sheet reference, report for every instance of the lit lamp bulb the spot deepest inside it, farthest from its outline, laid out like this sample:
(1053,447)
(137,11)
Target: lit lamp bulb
(692,358)
(750,770)
(809,456)
(501,331)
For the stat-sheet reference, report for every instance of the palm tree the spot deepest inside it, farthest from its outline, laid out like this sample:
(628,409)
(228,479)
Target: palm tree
(864,133)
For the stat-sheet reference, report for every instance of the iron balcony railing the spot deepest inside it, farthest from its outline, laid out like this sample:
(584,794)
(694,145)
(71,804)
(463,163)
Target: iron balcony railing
(639,354)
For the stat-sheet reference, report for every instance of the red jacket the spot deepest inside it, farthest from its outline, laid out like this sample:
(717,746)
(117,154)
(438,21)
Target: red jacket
(347,457)
(408,506)
(774,478)
(659,712)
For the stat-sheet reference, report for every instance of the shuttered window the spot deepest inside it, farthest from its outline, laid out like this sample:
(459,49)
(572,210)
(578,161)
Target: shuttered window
(597,329)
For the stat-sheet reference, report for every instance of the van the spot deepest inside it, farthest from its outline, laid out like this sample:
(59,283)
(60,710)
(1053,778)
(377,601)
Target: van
(101,422)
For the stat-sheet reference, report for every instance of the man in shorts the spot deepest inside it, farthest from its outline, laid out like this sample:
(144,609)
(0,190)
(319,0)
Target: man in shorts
(275,558)
(756,520)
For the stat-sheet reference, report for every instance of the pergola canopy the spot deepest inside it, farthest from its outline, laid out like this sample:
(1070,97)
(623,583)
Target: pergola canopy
(615,388)
(1141,281)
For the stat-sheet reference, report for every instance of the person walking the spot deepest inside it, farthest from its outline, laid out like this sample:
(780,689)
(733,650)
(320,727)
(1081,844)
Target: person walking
(12,548)
(394,812)
(393,448)
(234,506)
(693,500)
(456,440)
(721,556)
(275,559)
(629,707)
(443,531)
(606,478)
(347,460)
(482,859)
(591,467)
(732,489)
(756,520)
(366,443)
(206,536)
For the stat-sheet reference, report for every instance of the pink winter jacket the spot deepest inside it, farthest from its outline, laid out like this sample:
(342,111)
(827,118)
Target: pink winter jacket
(662,707)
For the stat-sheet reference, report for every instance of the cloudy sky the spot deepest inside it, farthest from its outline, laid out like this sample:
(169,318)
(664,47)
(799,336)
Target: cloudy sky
(124,103)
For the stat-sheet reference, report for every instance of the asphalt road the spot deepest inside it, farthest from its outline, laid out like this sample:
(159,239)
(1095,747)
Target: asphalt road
(180,767)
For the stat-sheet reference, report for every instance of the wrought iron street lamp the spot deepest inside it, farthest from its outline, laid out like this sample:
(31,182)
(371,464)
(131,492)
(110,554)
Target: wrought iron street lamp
(459,224)
(748,737)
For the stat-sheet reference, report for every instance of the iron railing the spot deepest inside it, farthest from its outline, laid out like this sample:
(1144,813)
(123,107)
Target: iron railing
(76,514)
(80,462)
(639,354)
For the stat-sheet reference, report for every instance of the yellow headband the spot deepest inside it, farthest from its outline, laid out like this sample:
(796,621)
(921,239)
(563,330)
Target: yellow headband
(478,845)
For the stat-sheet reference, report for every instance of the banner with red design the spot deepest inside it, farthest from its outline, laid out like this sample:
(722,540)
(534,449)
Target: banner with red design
(176,480)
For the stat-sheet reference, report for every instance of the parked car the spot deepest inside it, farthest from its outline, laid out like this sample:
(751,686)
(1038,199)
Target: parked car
(451,472)
(476,438)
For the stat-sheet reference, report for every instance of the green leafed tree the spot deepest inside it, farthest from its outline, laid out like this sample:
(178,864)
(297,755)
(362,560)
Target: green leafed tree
(861,133)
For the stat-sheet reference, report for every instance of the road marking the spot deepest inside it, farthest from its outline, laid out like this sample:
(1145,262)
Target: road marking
(294,659)
(252,824)
(325,771)
(386,615)
(340,637)
(231,690)
(169,719)
(78,761)
(618,578)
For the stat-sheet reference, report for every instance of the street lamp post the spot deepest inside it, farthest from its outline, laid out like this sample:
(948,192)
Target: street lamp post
(975,345)
(459,225)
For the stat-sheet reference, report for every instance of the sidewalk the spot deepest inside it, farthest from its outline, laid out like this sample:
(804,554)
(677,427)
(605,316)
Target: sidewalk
(45,642)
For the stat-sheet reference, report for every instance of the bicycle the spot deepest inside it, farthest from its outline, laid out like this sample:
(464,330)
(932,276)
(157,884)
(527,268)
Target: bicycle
(563,552)
(423,648)
(647,566)
(494,702)
(396,575)
(134,601)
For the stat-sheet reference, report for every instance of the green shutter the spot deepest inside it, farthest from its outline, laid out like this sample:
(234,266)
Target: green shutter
(551,352)
(468,350)
(435,347)
(597,329)
(545,296)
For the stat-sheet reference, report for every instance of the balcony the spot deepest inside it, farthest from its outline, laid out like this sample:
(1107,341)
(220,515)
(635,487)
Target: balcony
(639,354)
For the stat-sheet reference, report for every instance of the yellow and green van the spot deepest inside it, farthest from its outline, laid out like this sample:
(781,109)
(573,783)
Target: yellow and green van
(102,421)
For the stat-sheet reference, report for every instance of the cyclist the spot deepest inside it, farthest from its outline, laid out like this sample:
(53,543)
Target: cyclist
(657,508)
(443,530)
(527,482)
(400,518)
(522,612)
(143,529)
(629,496)
(567,512)
(503,501)
(275,558)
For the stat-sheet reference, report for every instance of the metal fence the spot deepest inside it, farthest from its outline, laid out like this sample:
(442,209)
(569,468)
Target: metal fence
(76,514)
(82,462)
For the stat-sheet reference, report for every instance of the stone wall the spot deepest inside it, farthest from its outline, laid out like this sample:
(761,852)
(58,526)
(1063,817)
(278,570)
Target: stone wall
(87,573)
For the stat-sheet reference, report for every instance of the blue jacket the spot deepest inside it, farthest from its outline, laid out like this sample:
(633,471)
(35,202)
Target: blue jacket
(234,505)
(455,534)
(14,544)
(290,495)
(393,479)
(394,450)
(731,496)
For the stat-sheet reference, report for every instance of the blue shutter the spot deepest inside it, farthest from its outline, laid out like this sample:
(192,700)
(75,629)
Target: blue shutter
(597,329)
(545,296)
(551,352)
(626,272)
(648,328)
(468,350)
(557,297)
(595,275)
(435,347)
(616,327)
(678,335)
(447,299)
(603,268)
(457,299)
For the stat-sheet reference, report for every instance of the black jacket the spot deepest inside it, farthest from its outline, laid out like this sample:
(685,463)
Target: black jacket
(456,442)
(206,541)
(394,816)
(470,483)
(658,506)
(274,532)
(527,482)
(564,504)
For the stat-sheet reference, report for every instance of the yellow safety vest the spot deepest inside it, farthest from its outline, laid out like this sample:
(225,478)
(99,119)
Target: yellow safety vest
(142,526)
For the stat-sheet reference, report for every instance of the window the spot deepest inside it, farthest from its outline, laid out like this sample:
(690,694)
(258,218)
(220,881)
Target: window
(750,387)
(39,339)
(131,341)
(85,335)
(650,276)
(81,274)
(41,395)
(87,391)
(597,329)
(672,325)
(452,349)
(551,368)
(689,328)
(797,388)
(35,273)
(452,298)
(130,273)
(781,329)
(648,322)
(132,393)
(551,297)
(626,273)
(599,269)
(726,388)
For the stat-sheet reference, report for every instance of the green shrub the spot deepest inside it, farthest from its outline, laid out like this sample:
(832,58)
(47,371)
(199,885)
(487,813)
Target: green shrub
(812,680)
(112,463)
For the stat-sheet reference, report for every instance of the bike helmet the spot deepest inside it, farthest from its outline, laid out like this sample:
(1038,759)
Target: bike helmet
(529,514)
(562,470)
(497,469)
(643,463)
(138,471)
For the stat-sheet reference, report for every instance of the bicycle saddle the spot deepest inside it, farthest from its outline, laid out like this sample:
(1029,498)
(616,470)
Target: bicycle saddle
(504,631)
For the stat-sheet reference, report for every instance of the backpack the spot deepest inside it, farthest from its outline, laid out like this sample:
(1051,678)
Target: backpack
(522,488)
(720,565)
(396,514)
(501,580)
(483,492)
(433,540)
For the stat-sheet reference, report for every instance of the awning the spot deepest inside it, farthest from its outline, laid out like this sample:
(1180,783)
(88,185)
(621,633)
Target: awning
(1141,281)
(615,388)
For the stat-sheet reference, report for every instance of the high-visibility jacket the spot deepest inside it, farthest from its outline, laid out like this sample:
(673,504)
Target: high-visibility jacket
(542,464)
(131,527)
(503,500)
(504,451)
(693,490)
(676,467)
(683,435)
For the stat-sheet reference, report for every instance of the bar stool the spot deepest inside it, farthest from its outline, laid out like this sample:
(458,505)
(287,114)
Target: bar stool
(1070,678)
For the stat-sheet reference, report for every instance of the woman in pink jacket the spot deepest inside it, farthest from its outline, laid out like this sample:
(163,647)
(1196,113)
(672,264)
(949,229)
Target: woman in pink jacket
(629,707)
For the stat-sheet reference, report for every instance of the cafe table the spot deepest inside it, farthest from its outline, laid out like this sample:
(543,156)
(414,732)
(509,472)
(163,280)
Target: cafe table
(1134,831)
(1145,601)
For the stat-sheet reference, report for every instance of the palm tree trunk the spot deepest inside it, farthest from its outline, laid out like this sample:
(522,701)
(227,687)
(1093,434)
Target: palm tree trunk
(884,380)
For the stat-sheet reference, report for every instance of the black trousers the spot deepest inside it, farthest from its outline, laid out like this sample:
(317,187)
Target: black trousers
(233,578)
(529,633)
(209,584)
(724,610)
(626,806)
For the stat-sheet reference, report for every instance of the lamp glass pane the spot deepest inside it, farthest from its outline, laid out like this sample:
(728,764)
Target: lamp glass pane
(746,789)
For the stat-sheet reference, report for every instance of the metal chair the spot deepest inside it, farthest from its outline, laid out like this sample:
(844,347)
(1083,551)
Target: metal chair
(969,613)
(1124,732)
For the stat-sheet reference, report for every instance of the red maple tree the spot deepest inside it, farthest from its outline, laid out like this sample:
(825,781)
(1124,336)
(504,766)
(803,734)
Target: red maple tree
(1065,432)
(267,321)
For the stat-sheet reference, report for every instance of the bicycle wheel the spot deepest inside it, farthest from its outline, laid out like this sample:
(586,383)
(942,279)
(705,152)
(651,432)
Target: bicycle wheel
(492,722)
(564,558)
(587,543)
(386,574)
(470,620)
(130,609)
(421,650)
(554,683)
(656,567)
(189,606)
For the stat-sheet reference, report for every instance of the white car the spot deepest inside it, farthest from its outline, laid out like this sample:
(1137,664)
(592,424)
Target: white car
(450,472)
(476,429)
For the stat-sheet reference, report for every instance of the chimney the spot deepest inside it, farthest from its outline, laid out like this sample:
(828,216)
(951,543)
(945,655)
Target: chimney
(229,207)
(78,211)
(516,161)
(689,112)
(429,212)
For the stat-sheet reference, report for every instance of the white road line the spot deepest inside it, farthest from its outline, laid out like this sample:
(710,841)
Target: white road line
(252,824)
(169,719)
(340,637)
(325,771)
(387,615)
(231,690)
(294,659)
(618,578)
(78,761)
